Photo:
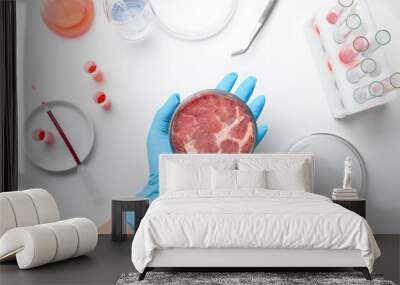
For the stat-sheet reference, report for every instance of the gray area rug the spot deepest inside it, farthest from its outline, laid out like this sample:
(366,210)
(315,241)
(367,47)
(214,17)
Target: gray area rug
(269,278)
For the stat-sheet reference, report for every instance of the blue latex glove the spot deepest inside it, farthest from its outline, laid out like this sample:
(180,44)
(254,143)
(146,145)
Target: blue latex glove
(158,136)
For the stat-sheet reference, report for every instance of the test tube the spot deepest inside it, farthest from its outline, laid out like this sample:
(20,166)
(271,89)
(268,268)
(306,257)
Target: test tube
(92,68)
(350,51)
(392,82)
(101,99)
(41,135)
(381,38)
(352,23)
(335,13)
(373,90)
(366,67)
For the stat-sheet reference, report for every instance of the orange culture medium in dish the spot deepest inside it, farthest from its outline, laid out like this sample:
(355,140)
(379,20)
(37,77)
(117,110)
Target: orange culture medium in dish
(68,18)
(212,121)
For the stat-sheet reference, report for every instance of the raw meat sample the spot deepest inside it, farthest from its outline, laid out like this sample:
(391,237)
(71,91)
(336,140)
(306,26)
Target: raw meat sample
(211,122)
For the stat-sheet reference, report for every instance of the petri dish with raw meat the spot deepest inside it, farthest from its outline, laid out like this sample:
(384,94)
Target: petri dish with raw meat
(213,121)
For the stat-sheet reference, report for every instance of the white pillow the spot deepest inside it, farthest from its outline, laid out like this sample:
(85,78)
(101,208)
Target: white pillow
(223,179)
(251,178)
(186,177)
(282,174)
(227,179)
(290,176)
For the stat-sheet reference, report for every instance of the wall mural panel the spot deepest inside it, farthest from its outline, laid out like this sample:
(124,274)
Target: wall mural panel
(114,113)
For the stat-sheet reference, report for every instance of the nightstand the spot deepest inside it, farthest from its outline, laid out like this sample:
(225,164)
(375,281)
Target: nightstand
(358,206)
(119,207)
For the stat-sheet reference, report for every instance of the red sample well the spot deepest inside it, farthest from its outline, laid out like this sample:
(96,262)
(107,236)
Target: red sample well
(213,121)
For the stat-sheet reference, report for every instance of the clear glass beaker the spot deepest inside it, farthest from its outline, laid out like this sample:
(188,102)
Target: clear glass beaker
(373,90)
(132,18)
(353,22)
(334,14)
(350,51)
(367,66)
(381,38)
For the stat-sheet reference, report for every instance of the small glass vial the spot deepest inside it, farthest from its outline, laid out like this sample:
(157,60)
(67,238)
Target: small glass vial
(367,66)
(392,82)
(102,100)
(344,30)
(43,136)
(92,69)
(334,14)
(352,50)
(381,38)
(373,90)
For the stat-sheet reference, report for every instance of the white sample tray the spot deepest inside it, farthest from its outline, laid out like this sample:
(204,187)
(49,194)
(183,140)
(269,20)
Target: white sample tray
(339,91)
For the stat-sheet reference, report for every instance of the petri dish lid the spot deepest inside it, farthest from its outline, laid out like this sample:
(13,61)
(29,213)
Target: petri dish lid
(329,152)
(193,19)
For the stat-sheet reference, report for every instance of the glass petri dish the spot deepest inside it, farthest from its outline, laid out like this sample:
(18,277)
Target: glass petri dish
(193,19)
(329,152)
(213,121)
(68,18)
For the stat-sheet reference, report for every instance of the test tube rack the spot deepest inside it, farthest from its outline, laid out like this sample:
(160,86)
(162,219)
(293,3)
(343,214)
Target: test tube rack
(333,72)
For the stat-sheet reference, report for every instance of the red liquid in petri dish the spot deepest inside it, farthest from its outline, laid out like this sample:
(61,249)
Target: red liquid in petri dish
(68,18)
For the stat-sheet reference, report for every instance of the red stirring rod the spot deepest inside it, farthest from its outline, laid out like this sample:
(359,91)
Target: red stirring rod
(60,130)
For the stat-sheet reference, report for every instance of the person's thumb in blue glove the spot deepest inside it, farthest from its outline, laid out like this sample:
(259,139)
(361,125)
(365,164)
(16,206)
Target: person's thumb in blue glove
(158,142)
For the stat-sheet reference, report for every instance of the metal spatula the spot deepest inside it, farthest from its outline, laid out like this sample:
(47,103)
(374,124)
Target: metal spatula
(263,19)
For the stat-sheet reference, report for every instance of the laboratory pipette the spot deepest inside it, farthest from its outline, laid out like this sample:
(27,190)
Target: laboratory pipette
(261,22)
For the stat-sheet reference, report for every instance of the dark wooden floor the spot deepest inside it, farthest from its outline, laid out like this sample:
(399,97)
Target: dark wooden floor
(110,260)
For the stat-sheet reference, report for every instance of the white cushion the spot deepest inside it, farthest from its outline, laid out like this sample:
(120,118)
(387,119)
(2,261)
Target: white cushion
(23,208)
(40,244)
(45,205)
(223,179)
(67,237)
(281,174)
(87,232)
(7,218)
(251,178)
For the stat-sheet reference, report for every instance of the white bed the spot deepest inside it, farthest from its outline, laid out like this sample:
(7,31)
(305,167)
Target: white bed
(201,225)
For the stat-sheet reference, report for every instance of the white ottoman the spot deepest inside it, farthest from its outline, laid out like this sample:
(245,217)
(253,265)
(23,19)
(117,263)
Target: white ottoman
(31,233)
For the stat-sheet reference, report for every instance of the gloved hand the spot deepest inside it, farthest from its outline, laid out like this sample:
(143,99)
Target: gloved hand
(158,136)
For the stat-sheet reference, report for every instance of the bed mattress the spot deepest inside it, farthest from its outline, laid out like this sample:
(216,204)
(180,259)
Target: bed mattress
(250,219)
